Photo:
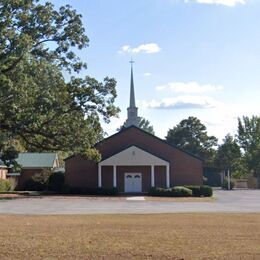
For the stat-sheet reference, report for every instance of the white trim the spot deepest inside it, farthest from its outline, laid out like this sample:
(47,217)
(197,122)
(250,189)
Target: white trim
(114,176)
(99,176)
(167,176)
(133,156)
(152,176)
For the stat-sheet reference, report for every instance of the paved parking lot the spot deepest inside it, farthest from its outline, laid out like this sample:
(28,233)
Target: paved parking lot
(237,201)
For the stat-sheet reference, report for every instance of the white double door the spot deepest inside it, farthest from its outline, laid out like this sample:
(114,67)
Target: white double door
(133,182)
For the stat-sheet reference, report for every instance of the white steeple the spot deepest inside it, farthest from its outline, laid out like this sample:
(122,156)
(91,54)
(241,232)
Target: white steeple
(132,110)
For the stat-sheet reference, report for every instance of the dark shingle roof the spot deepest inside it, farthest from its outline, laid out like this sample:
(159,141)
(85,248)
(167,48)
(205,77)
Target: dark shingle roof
(36,160)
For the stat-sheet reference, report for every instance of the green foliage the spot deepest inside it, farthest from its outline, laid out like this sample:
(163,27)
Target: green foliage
(177,191)
(195,190)
(56,181)
(143,123)
(241,169)
(228,153)
(249,139)
(206,191)
(38,182)
(38,108)
(27,25)
(191,135)
(198,191)
(225,184)
(5,185)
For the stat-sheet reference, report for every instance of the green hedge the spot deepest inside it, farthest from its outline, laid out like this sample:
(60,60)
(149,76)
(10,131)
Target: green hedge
(198,191)
(183,191)
(5,185)
(206,191)
(177,191)
(195,190)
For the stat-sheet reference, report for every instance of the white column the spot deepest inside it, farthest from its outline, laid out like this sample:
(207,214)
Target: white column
(152,176)
(99,176)
(228,177)
(114,176)
(167,176)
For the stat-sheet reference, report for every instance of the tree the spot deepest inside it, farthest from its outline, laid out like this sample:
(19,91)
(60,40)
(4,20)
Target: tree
(191,135)
(143,123)
(229,157)
(38,108)
(248,137)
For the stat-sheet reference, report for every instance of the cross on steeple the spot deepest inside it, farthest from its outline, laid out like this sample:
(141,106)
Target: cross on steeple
(131,61)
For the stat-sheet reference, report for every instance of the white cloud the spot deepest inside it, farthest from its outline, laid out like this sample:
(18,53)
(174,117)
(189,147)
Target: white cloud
(143,48)
(188,87)
(219,2)
(182,102)
(147,74)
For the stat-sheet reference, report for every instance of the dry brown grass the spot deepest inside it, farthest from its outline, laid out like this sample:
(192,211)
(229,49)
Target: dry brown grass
(162,236)
(108,198)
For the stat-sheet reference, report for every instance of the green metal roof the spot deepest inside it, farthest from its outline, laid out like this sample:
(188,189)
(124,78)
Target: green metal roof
(36,160)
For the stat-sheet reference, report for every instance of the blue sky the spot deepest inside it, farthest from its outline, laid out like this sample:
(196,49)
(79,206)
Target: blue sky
(192,58)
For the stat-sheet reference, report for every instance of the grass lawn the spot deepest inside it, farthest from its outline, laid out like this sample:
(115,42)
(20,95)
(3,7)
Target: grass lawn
(15,195)
(162,236)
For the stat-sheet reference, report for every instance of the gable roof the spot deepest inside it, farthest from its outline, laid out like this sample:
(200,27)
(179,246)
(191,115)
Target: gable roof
(141,130)
(36,160)
(153,136)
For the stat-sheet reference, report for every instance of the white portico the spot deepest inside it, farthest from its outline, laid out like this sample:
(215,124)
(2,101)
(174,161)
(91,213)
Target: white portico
(133,156)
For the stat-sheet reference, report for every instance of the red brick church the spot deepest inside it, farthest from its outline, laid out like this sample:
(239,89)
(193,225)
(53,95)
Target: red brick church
(134,161)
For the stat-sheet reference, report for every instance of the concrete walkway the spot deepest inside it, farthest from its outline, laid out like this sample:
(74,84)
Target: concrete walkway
(237,201)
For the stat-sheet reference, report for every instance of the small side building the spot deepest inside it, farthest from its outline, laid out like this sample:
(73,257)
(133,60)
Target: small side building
(35,163)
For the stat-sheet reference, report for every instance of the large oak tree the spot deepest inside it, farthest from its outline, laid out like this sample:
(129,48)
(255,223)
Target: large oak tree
(39,110)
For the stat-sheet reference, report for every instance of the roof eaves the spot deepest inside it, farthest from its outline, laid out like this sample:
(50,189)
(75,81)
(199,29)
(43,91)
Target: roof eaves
(154,136)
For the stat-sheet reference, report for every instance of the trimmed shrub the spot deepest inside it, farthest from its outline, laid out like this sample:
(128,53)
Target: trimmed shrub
(225,184)
(206,191)
(5,185)
(178,191)
(93,191)
(198,191)
(56,181)
(160,192)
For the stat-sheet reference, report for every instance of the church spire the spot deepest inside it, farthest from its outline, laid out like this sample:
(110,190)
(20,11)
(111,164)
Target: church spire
(132,110)
(132,90)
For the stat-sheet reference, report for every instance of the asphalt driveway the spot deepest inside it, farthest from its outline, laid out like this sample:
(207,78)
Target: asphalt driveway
(237,201)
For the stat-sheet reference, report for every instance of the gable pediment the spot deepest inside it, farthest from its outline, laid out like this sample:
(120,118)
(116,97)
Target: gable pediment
(133,155)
